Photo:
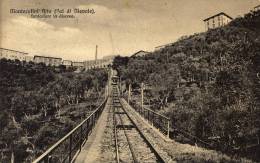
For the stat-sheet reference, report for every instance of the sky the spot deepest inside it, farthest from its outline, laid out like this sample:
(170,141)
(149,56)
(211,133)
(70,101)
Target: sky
(117,26)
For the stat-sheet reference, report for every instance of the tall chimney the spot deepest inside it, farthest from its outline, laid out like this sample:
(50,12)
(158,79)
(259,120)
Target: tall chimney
(96,54)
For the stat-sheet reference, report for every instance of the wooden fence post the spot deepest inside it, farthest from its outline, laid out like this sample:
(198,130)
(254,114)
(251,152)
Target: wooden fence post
(70,147)
(120,87)
(168,129)
(129,93)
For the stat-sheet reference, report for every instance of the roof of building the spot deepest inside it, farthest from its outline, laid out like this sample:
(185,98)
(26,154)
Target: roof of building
(161,46)
(257,6)
(47,57)
(135,54)
(78,62)
(109,57)
(222,13)
(14,50)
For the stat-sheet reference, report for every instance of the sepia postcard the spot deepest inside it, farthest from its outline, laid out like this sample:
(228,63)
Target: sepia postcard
(109,81)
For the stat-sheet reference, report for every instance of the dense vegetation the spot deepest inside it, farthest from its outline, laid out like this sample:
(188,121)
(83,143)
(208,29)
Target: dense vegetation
(208,83)
(39,104)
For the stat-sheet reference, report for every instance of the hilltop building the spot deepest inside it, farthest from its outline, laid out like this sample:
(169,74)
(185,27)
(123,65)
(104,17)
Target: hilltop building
(67,63)
(51,61)
(78,64)
(140,53)
(217,20)
(257,8)
(99,63)
(109,57)
(89,64)
(29,58)
(12,54)
(96,53)
(162,46)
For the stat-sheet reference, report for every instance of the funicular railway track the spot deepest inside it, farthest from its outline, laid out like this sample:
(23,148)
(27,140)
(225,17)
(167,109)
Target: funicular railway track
(131,144)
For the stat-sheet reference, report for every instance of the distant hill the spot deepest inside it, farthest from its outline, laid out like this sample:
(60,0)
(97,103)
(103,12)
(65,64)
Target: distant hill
(207,83)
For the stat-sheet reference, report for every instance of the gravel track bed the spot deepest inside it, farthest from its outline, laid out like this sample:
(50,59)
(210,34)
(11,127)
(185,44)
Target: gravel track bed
(141,150)
(123,148)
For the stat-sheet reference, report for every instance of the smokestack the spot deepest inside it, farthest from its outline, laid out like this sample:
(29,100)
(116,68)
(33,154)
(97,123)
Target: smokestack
(96,53)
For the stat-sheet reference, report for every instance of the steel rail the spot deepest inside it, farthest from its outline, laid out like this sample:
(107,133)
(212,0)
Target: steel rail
(158,156)
(116,138)
(128,141)
(116,97)
(150,146)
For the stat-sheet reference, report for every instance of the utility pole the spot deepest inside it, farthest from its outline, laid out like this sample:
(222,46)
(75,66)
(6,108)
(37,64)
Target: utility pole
(142,95)
(96,54)
(108,81)
(12,157)
(119,86)
(167,55)
(129,93)
(106,91)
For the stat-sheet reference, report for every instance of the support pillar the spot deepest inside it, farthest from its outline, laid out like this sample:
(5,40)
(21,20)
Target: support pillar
(129,93)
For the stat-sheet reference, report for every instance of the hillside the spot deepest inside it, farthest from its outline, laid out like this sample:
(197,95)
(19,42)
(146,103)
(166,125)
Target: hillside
(39,104)
(208,84)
